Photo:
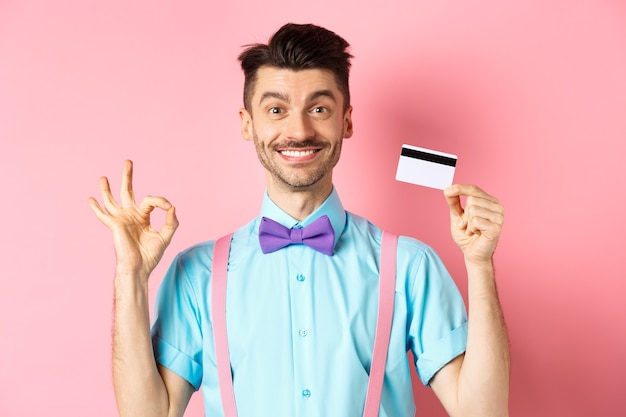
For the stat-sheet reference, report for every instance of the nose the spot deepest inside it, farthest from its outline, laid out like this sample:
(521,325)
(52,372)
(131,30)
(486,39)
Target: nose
(299,126)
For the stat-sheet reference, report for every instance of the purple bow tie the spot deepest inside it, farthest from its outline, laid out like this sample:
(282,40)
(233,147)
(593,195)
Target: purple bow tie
(319,235)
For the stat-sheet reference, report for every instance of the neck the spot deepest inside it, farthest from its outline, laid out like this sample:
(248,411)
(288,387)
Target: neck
(299,203)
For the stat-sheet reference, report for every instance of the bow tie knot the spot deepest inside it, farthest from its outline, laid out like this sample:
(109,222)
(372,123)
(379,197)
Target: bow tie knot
(296,235)
(319,235)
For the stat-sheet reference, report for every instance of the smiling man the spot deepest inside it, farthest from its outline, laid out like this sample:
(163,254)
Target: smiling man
(298,320)
(297,120)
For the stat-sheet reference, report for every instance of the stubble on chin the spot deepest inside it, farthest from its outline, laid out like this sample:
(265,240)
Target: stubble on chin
(299,178)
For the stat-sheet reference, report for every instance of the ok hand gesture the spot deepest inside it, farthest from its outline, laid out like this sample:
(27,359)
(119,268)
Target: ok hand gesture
(138,247)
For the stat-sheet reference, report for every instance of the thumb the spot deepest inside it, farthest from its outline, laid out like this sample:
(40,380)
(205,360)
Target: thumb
(454,204)
(171,224)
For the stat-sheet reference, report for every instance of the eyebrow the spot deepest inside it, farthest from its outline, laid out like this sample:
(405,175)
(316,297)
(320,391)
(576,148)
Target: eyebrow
(285,98)
(322,93)
(274,94)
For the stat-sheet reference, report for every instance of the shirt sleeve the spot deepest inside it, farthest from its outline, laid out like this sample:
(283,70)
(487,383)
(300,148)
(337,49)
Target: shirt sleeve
(176,331)
(437,318)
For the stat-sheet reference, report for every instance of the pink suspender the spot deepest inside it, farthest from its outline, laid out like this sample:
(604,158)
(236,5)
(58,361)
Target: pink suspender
(218,310)
(386,295)
(381,341)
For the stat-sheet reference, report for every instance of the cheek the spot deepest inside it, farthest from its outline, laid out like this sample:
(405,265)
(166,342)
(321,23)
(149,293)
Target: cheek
(267,131)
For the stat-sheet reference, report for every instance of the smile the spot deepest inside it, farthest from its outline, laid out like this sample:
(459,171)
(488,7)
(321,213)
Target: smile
(298,154)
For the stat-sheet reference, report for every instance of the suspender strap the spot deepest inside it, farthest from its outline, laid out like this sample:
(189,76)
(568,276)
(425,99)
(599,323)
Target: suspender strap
(220,336)
(386,295)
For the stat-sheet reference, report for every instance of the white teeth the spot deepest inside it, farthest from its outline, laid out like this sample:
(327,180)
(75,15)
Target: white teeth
(297,154)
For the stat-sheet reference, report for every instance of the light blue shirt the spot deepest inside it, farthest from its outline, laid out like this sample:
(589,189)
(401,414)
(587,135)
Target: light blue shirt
(301,324)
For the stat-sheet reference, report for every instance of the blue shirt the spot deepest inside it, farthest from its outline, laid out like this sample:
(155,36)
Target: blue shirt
(301,324)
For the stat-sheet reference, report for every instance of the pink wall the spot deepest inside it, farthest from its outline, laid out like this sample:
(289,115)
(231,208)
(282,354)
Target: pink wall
(530,94)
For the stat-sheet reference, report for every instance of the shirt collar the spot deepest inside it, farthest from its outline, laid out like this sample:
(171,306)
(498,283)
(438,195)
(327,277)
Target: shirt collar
(331,207)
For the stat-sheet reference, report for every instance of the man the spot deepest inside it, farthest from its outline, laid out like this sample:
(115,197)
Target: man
(301,322)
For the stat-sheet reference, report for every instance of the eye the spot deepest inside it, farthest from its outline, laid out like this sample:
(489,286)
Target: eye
(275,110)
(320,110)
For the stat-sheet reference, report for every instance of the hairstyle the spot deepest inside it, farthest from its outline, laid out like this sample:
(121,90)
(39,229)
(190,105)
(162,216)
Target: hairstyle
(298,47)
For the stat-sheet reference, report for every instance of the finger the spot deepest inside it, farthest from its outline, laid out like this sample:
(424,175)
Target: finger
(468,190)
(490,204)
(457,217)
(149,203)
(478,207)
(171,224)
(126,193)
(484,227)
(489,211)
(102,215)
(454,203)
(476,197)
(109,202)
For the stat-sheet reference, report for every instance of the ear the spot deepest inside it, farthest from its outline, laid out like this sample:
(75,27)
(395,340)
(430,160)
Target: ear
(347,124)
(247,130)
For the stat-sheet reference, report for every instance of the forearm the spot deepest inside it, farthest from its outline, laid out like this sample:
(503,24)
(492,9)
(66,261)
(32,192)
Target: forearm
(139,388)
(484,376)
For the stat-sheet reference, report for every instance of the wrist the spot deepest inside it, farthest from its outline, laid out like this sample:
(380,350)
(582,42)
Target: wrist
(130,282)
(131,271)
(481,264)
(481,280)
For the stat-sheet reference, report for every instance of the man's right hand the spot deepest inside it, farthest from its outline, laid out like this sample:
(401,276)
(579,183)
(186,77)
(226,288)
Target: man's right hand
(141,388)
(138,247)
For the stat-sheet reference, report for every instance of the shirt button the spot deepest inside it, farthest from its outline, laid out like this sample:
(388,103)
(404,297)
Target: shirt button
(306,393)
(303,332)
(300,277)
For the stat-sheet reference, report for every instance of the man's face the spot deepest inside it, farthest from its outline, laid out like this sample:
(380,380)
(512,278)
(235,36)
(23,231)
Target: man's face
(297,123)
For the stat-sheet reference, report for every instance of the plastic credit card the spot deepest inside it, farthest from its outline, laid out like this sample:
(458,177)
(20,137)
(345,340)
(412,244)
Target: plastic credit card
(426,167)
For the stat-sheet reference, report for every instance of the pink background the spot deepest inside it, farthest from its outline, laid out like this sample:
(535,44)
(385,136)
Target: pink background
(530,94)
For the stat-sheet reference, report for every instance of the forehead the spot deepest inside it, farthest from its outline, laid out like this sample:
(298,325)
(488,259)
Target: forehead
(295,84)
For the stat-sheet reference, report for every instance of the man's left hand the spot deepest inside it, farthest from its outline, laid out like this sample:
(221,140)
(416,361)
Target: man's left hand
(476,227)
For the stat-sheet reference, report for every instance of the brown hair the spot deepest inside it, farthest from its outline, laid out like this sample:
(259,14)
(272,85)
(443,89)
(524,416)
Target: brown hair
(298,47)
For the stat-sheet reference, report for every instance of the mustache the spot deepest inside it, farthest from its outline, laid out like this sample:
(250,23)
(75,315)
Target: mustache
(300,144)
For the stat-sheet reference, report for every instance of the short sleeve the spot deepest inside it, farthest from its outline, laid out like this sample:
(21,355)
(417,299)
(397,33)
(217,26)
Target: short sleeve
(177,331)
(437,318)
